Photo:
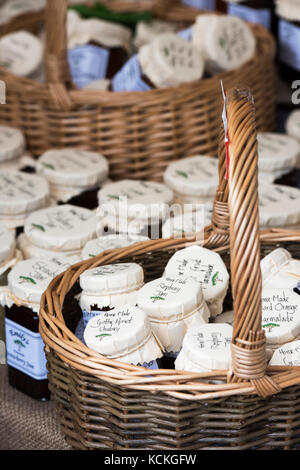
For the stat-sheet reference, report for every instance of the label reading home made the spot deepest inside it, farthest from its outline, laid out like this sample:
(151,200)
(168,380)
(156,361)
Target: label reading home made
(25,350)
(253,15)
(87,64)
(201,4)
(129,78)
(289,40)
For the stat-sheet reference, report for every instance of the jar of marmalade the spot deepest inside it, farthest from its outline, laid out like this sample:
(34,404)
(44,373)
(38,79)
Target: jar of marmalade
(25,354)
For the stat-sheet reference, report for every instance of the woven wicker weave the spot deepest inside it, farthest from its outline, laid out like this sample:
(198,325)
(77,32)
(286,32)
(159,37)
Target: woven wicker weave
(139,132)
(105,404)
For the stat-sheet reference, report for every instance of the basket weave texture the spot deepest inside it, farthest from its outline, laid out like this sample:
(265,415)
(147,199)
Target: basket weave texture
(105,404)
(140,133)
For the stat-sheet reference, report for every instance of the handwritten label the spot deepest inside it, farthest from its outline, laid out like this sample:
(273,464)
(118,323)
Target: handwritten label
(25,350)
(213,340)
(280,314)
(167,287)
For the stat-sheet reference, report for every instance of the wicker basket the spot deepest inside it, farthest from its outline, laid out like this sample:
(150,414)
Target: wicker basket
(139,132)
(105,404)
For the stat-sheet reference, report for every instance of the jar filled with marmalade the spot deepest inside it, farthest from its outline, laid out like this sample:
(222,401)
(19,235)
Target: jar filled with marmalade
(25,354)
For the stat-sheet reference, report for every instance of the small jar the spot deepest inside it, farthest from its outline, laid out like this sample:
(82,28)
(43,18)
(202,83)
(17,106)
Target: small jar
(279,206)
(201,4)
(206,348)
(97,50)
(109,242)
(225,42)
(173,304)
(20,195)
(21,53)
(254,11)
(280,316)
(58,230)
(107,287)
(73,175)
(8,258)
(167,61)
(207,268)
(288,12)
(193,180)
(135,207)
(188,224)
(287,355)
(124,334)
(25,348)
(280,270)
(278,154)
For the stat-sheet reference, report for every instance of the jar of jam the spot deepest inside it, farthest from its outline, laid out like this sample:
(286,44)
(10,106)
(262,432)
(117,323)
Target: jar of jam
(288,40)
(57,230)
(254,11)
(107,287)
(124,334)
(25,354)
(166,62)
(9,256)
(97,50)
(74,176)
(134,207)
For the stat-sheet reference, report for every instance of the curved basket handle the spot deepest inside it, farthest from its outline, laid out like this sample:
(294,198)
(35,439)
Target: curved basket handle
(248,342)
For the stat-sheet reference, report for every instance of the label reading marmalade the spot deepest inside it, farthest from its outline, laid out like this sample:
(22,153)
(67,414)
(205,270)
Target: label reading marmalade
(25,350)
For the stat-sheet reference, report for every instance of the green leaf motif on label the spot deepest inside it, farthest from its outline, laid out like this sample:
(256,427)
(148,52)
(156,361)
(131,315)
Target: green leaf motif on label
(39,227)
(112,196)
(182,173)
(157,298)
(270,326)
(48,165)
(222,42)
(27,279)
(19,343)
(103,335)
(215,278)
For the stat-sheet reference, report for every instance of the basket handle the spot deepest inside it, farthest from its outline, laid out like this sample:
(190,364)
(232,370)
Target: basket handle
(57,69)
(248,341)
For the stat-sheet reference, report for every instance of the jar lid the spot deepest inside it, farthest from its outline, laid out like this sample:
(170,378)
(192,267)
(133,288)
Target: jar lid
(112,278)
(73,167)
(62,228)
(277,151)
(17,7)
(21,193)
(109,242)
(171,298)
(29,250)
(209,346)
(287,355)
(293,124)
(12,143)
(193,176)
(21,53)
(280,315)
(145,32)
(29,279)
(106,33)
(117,331)
(188,223)
(170,60)
(226,42)
(278,205)
(288,9)
(135,199)
(7,244)
(204,266)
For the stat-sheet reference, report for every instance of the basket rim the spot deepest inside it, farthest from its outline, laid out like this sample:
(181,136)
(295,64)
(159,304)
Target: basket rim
(175,383)
(43,91)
